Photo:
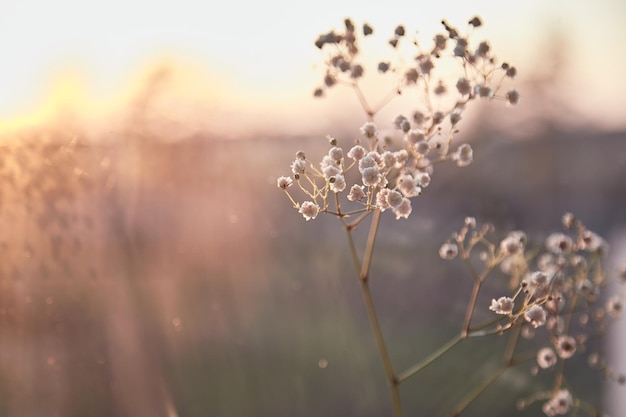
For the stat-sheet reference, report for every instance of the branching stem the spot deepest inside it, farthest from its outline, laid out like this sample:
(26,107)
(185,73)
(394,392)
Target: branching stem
(470,308)
(363,269)
(507,362)
(475,393)
(403,376)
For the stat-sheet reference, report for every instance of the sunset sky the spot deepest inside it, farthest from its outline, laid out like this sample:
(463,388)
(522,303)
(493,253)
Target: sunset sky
(257,59)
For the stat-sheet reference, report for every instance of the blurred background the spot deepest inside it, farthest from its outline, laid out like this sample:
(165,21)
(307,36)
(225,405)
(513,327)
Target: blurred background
(152,268)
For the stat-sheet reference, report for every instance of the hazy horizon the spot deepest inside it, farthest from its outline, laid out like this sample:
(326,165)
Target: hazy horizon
(241,73)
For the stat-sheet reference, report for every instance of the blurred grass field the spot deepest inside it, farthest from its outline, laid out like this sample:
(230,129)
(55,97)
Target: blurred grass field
(145,277)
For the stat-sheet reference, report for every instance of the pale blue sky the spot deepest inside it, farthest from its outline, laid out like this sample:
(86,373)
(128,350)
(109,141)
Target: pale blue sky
(262,50)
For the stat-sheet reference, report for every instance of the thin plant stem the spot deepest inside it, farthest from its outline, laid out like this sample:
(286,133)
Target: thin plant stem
(377,332)
(386,100)
(509,351)
(363,269)
(369,247)
(476,330)
(478,281)
(470,308)
(346,213)
(507,362)
(465,333)
(355,223)
(485,333)
(392,380)
(475,393)
(338,205)
(587,408)
(403,376)
(560,371)
(353,251)
(366,107)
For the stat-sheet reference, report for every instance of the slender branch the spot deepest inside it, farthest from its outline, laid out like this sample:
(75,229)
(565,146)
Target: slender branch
(403,376)
(509,351)
(473,394)
(507,362)
(369,247)
(386,100)
(353,251)
(377,332)
(366,107)
(356,222)
(338,205)
(559,375)
(470,267)
(293,202)
(476,330)
(348,213)
(587,408)
(490,332)
(392,380)
(363,270)
(470,308)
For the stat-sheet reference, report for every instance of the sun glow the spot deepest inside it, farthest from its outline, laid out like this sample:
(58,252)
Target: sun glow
(248,75)
(67,92)
(169,93)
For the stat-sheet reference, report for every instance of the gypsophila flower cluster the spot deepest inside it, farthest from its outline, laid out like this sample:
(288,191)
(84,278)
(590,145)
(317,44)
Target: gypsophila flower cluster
(482,75)
(558,296)
(560,403)
(388,177)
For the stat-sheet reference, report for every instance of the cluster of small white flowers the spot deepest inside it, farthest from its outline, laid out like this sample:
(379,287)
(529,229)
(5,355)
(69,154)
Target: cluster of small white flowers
(449,250)
(284,182)
(614,306)
(464,155)
(546,358)
(309,210)
(552,288)
(536,316)
(565,346)
(562,294)
(387,179)
(390,178)
(559,243)
(513,243)
(504,305)
(560,403)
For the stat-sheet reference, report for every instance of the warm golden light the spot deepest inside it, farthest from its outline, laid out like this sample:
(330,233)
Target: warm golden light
(249,75)
(150,264)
